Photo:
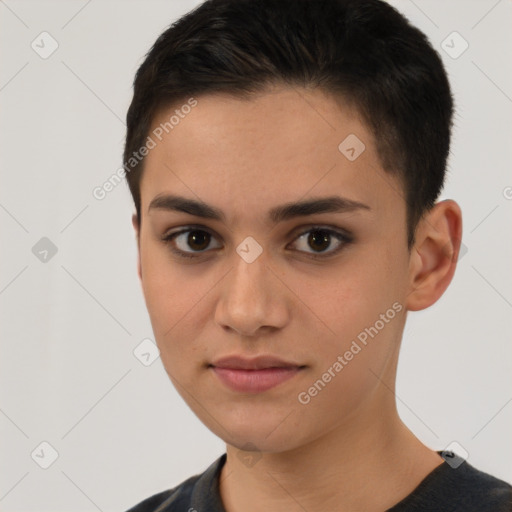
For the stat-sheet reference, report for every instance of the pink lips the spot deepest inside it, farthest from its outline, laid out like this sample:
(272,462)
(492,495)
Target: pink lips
(254,375)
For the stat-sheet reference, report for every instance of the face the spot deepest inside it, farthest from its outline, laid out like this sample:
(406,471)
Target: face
(319,289)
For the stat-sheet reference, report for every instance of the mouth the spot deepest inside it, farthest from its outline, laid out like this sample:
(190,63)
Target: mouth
(254,375)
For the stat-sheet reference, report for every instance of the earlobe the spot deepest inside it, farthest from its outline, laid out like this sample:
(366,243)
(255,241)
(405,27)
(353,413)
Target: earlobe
(136,227)
(434,257)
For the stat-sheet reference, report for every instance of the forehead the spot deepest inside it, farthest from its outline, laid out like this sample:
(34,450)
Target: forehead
(278,146)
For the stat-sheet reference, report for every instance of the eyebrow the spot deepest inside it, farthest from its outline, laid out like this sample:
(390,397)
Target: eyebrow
(287,211)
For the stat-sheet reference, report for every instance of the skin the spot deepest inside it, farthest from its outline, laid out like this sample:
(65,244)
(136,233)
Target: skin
(346,449)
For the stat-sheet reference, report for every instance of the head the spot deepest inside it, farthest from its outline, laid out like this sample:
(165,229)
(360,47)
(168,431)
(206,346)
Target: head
(241,111)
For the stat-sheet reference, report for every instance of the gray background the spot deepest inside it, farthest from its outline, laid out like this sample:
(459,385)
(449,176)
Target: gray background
(71,321)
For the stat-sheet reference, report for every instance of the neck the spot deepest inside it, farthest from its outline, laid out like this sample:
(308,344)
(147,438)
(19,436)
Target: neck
(364,465)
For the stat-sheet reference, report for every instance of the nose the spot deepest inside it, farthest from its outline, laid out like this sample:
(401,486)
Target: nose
(252,298)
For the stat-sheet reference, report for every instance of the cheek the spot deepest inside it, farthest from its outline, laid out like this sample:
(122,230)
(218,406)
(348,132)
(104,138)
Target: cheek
(358,314)
(168,292)
(167,297)
(349,297)
(160,284)
(177,302)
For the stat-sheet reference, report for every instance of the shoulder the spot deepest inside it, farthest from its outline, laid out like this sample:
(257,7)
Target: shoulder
(190,495)
(456,485)
(483,491)
(171,500)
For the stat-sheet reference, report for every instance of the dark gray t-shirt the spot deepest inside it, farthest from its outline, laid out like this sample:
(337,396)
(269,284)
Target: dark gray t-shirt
(453,486)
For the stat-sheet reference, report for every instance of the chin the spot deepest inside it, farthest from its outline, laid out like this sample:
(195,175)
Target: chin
(259,443)
(258,432)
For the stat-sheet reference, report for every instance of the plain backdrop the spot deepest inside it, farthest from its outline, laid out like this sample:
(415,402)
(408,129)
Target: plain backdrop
(74,396)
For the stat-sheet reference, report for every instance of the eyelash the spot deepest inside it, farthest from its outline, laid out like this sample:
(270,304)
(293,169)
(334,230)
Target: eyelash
(344,238)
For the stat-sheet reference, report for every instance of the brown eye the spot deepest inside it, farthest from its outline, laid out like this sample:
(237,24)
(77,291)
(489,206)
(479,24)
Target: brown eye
(198,240)
(320,240)
(188,242)
(191,243)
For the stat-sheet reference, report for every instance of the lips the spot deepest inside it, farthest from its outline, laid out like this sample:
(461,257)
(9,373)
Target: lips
(254,375)
(257,363)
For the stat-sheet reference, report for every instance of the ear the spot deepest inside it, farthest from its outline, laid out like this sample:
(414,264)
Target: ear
(136,227)
(434,256)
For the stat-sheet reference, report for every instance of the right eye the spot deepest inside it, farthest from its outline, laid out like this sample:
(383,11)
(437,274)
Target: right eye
(194,238)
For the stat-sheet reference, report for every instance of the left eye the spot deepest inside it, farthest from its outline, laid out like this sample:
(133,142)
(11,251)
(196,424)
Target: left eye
(318,238)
